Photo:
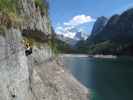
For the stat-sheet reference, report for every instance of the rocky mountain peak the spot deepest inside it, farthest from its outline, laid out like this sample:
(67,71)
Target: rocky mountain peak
(99,24)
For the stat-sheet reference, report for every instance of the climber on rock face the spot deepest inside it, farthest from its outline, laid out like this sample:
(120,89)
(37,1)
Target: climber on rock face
(28,48)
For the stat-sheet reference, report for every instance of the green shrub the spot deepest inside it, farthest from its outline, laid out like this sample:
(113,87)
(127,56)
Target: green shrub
(9,6)
(9,11)
(53,45)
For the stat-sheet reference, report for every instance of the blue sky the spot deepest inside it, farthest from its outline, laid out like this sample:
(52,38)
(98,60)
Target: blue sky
(80,15)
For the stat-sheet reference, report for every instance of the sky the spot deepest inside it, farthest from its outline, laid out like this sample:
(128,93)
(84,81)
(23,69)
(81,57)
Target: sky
(69,16)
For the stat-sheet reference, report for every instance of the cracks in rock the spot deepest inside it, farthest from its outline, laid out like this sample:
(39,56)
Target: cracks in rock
(30,70)
(31,89)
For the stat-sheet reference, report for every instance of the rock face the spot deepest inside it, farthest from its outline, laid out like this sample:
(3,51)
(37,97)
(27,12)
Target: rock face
(35,77)
(14,80)
(99,24)
(78,36)
(34,19)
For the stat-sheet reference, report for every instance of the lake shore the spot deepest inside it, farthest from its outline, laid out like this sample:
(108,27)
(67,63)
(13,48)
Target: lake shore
(73,55)
(104,56)
(93,56)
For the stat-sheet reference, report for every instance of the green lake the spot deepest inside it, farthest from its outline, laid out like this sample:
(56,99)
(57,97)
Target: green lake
(108,79)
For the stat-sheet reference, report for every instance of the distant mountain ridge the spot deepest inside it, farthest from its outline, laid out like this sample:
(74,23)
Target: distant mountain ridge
(114,37)
(67,40)
(71,41)
(119,27)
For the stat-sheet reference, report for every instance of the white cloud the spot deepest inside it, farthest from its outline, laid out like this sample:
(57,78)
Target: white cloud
(66,28)
(79,19)
(59,28)
(65,31)
(69,34)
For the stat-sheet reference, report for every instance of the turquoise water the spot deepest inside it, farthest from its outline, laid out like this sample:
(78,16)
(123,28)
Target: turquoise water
(109,79)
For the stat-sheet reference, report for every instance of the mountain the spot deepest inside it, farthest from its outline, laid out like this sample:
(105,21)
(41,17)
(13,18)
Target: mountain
(62,46)
(118,28)
(99,24)
(67,40)
(66,44)
(116,37)
(71,41)
(78,36)
(108,31)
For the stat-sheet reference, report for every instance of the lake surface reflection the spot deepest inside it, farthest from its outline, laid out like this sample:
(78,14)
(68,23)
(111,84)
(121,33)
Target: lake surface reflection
(109,79)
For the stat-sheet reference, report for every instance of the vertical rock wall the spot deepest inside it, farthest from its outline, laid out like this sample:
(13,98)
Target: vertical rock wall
(14,74)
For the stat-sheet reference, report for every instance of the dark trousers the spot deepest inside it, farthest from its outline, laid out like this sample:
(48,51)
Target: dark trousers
(28,52)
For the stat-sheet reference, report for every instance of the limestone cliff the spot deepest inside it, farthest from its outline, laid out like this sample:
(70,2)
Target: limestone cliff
(36,77)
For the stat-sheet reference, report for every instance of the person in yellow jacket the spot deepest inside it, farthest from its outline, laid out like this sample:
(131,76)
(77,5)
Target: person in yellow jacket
(28,48)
